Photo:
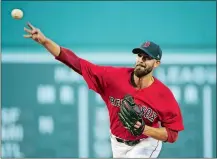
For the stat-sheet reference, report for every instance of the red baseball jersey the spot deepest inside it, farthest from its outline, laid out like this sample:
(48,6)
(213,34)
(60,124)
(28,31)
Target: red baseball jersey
(157,102)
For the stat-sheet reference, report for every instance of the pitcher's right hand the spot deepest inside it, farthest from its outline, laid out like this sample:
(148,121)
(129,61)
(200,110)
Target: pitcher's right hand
(35,34)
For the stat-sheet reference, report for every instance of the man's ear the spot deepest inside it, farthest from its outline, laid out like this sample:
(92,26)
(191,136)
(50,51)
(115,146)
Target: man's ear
(157,63)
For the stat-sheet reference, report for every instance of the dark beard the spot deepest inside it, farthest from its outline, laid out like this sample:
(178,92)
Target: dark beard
(141,72)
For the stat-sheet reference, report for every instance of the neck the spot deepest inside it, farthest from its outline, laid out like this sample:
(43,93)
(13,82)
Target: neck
(144,81)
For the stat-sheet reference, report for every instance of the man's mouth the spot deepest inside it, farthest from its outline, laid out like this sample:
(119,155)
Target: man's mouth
(140,66)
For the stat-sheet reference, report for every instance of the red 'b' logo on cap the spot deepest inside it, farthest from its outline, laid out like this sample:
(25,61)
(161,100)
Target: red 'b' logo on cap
(147,44)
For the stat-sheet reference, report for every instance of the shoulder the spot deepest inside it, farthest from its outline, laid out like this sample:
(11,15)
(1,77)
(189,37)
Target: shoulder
(163,90)
(166,98)
(119,70)
(104,68)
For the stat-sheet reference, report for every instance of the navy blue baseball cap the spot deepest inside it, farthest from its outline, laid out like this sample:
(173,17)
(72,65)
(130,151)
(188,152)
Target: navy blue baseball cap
(149,48)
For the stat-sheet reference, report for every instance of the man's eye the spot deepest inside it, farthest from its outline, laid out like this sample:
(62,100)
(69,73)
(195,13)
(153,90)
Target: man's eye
(147,58)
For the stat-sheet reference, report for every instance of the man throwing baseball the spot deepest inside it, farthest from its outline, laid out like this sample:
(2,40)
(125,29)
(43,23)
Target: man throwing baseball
(142,110)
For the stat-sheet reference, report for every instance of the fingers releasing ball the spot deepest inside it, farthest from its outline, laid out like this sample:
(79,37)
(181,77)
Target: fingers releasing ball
(17,14)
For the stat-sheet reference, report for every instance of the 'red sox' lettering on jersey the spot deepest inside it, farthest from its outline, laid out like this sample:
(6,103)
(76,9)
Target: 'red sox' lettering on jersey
(147,112)
(115,102)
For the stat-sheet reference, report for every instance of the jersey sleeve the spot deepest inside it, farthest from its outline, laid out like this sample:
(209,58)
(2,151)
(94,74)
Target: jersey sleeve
(70,59)
(94,75)
(171,116)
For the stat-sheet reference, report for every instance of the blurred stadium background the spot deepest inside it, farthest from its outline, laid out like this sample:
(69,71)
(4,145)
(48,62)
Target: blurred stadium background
(47,109)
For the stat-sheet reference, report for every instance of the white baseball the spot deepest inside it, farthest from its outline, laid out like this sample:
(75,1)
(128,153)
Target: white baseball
(17,13)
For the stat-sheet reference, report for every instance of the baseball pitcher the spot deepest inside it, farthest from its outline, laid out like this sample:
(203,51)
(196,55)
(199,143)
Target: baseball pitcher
(142,110)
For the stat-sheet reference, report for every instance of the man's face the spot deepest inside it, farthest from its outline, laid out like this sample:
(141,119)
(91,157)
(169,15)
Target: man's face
(144,65)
